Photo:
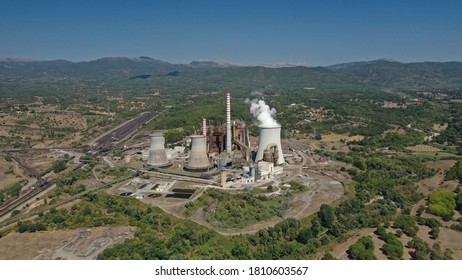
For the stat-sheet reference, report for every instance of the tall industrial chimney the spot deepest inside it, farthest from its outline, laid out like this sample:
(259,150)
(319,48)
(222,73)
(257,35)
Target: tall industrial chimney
(198,159)
(204,126)
(228,122)
(157,156)
(269,145)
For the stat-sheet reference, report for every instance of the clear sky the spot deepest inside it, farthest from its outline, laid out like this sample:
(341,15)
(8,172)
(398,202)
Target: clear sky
(321,32)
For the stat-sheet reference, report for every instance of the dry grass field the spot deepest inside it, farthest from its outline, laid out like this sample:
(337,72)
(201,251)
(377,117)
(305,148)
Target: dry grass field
(10,173)
(423,148)
(337,137)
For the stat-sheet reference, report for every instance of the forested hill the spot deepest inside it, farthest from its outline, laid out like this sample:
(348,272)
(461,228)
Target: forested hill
(406,75)
(379,72)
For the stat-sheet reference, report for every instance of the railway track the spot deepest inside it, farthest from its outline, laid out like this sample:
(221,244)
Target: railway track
(37,188)
(40,187)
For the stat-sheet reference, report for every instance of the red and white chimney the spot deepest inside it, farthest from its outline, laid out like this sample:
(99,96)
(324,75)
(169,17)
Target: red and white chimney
(228,122)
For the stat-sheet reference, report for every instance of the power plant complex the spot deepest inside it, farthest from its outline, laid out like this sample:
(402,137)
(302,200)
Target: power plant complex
(224,150)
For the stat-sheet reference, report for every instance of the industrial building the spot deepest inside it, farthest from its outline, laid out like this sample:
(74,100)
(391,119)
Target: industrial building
(157,155)
(222,148)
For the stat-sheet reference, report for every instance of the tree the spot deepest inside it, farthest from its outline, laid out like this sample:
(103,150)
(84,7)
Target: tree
(327,215)
(421,249)
(22,227)
(328,256)
(58,166)
(304,235)
(315,227)
(393,248)
(459,202)
(435,232)
(407,224)
(381,232)
(442,203)
(363,249)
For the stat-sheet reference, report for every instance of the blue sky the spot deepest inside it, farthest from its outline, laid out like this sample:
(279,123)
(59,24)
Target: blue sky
(246,32)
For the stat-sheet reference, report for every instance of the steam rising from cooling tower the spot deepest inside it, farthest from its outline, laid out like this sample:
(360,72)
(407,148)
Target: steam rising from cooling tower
(263,113)
(157,156)
(269,142)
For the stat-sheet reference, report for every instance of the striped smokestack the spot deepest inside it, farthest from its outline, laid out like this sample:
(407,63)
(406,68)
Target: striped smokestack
(228,122)
(204,126)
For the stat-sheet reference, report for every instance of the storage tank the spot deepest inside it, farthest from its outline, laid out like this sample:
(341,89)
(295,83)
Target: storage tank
(157,155)
(198,159)
(270,140)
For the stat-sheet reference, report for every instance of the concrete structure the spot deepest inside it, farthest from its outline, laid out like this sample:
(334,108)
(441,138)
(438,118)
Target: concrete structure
(228,123)
(198,159)
(269,145)
(174,153)
(223,179)
(157,155)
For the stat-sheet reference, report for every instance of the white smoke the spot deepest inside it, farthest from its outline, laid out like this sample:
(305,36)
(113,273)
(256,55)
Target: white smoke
(263,113)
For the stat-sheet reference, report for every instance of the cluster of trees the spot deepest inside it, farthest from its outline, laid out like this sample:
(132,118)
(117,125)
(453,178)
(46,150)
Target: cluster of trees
(12,191)
(224,210)
(393,248)
(59,165)
(363,249)
(442,203)
(455,173)
(382,175)
(85,214)
(174,135)
(393,141)
(296,187)
(115,171)
(407,224)
(67,183)
(433,224)
(452,135)
(459,202)
(29,226)
(423,251)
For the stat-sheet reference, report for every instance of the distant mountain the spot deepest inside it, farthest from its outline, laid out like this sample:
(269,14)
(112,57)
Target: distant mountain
(100,69)
(211,64)
(15,59)
(412,75)
(201,74)
(281,65)
(357,63)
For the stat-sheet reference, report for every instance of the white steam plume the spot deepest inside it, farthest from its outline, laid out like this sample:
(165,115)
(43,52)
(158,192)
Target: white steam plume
(263,113)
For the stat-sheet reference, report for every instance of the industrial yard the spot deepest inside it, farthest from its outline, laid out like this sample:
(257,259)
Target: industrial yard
(220,158)
(227,180)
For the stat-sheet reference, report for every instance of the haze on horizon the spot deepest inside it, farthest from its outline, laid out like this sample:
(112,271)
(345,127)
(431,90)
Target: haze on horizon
(243,32)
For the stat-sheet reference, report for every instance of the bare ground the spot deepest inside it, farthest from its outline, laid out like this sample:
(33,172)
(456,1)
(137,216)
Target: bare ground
(429,185)
(10,173)
(62,244)
(448,238)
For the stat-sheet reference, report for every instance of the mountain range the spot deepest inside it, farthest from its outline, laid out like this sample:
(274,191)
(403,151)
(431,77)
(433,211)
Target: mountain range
(382,72)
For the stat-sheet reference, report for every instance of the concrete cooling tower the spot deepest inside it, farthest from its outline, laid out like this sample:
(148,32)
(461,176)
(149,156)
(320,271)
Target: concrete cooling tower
(269,145)
(157,156)
(198,159)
